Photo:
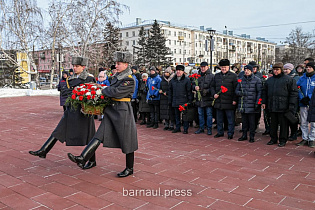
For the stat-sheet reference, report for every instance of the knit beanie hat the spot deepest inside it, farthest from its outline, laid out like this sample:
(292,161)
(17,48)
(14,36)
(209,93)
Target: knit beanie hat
(288,66)
(311,64)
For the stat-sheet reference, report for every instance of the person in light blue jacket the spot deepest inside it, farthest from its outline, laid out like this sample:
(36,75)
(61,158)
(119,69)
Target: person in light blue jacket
(306,85)
(153,97)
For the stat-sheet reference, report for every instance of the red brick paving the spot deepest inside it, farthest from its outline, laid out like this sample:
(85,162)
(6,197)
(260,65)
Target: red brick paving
(219,173)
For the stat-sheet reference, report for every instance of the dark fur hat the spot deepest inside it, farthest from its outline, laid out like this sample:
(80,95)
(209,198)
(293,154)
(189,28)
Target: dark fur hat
(278,65)
(224,62)
(124,57)
(79,61)
(180,67)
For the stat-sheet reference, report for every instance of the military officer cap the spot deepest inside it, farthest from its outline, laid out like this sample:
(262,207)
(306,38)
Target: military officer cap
(124,57)
(79,61)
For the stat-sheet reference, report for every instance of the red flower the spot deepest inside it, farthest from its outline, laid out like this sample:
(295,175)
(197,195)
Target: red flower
(73,97)
(259,101)
(93,96)
(264,76)
(153,88)
(102,97)
(239,80)
(81,98)
(185,104)
(181,108)
(86,91)
(224,89)
(88,97)
(93,92)
(299,87)
(74,91)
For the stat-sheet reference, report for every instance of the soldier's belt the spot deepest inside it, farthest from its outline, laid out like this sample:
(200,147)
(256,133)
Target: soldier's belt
(121,99)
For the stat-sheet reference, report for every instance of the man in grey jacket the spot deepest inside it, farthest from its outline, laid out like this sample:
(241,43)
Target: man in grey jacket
(118,128)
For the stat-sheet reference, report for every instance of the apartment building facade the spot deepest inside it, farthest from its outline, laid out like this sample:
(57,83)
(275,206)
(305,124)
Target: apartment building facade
(191,45)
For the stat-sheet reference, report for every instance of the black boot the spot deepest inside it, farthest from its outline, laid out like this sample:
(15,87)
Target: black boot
(129,165)
(51,141)
(86,154)
(243,137)
(91,163)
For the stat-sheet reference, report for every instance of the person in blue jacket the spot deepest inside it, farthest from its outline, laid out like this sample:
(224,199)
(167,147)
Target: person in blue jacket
(134,100)
(153,97)
(306,85)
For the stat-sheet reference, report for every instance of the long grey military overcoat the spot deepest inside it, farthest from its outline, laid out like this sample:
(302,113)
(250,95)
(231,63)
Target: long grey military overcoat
(75,128)
(118,127)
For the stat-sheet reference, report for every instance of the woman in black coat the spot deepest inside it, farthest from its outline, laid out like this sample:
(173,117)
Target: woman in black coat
(166,112)
(74,128)
(144,108)
(249,91)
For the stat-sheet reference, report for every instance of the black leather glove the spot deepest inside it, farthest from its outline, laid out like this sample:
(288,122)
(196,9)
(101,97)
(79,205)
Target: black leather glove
(305,100)
(152,96)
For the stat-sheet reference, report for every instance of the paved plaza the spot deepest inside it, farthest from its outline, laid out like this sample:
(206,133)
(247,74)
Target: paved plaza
(172,171)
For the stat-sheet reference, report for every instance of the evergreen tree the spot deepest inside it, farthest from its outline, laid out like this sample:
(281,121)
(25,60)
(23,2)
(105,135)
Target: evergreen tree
(156,49)
(140,52)
(111,44)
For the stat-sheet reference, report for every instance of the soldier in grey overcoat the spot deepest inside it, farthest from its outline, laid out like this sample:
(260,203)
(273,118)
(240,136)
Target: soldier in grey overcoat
(118,128)
(74,128)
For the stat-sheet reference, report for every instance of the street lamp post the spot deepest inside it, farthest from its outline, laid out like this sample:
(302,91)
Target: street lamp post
(211,33)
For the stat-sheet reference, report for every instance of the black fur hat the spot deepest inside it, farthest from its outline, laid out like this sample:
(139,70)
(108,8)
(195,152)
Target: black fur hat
(79,61)
(224,62)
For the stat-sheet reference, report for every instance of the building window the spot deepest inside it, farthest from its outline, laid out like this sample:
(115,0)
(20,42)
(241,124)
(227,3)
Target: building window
(134,42)
(180,51)
(180,60)
(127,34)
(169,33)
(133,33)
(174,51)
(189,36)
(174,42)
(174,33)
(184,51)
(127,43)
(120,35)
(175,60)
(169,42)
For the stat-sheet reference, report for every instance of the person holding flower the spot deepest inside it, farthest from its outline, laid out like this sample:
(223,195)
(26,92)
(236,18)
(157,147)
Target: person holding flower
(74,128)
(118,128)
(153,97)
(179,94)
(306,86)
(223,91)
(203,85)
(248,91)
(144,108)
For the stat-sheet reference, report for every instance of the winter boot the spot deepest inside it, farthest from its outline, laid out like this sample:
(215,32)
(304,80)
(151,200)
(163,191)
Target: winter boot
(86,154)
(48,145)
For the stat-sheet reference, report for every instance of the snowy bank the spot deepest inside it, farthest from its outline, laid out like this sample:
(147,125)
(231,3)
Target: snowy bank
(12,92)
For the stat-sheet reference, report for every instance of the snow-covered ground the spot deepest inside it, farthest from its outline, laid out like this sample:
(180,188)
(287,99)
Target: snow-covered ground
(12,92)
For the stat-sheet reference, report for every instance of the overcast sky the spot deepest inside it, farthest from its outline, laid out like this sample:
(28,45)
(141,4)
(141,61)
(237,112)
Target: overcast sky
(240,16)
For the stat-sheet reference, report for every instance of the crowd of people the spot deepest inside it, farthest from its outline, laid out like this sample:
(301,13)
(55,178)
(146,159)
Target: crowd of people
(229,95)
(200,98)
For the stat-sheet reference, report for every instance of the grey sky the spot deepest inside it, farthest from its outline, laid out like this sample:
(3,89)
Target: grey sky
(236,15)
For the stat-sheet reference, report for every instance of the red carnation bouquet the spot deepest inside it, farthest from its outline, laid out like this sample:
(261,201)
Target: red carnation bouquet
(222,90)
(90,97)
(182,107)
(195,77)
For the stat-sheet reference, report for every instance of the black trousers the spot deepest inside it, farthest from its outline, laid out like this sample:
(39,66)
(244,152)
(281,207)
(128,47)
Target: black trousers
(277,118)
(134,109)
(248,124)
(154,112)
(130,158)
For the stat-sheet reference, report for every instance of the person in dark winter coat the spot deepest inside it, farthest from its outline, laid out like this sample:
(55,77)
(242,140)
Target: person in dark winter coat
(288,69)
(166,111)
(204,104)
(62,86)
(180,94)
(306,86)
(225,102)
(117,129)
(279,97)
(74,128)
(249,91)
(144,108)
(153,97)
(135,100)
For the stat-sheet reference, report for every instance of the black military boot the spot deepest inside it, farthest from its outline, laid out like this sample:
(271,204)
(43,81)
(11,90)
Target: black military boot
(129,165)
(48,145)
(91,163)
(86,154)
